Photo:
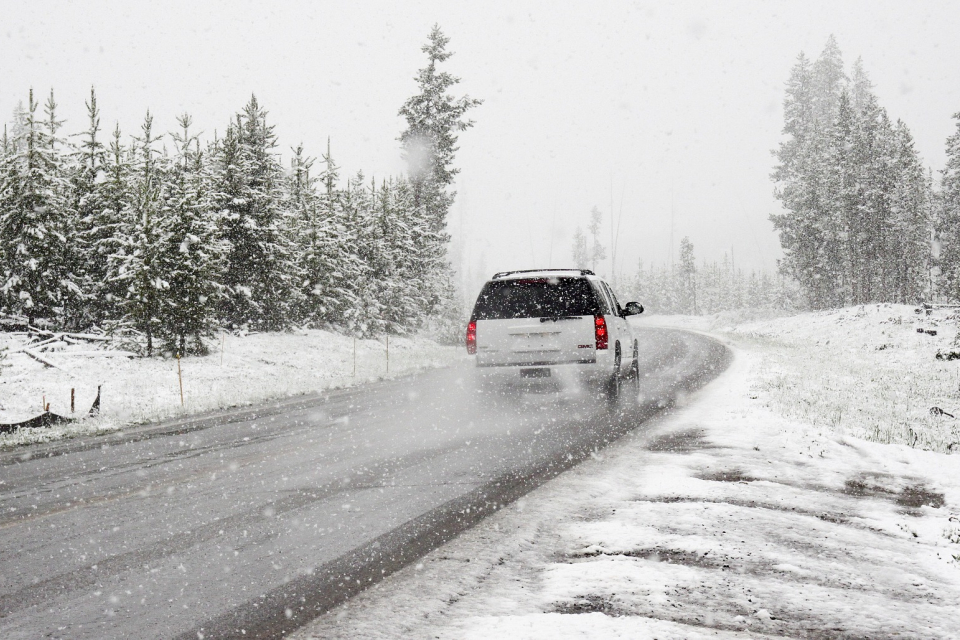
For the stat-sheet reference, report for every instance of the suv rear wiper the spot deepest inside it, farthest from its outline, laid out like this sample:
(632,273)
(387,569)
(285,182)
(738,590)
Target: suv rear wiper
(556,318)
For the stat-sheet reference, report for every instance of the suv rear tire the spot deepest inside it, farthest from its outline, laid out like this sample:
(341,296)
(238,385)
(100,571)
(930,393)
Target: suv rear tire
(611,388)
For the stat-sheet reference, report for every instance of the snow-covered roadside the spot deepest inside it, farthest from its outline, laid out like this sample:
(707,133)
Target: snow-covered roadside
(250,369)
(725,518)
(870,371)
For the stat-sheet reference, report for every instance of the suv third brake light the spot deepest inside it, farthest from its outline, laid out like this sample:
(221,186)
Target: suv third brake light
(472,337)
(600,328)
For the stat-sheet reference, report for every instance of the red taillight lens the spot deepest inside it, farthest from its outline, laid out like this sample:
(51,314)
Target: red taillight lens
(472,337)
(600,326)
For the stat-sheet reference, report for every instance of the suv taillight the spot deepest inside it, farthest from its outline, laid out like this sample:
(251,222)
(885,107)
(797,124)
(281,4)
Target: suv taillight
(600,328)
(472,337)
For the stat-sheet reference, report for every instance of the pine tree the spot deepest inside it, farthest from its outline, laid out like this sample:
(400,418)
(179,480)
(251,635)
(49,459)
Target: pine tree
(434,120)
(192,250)
(304,206)
(597,251)
(798,178)
(71,259)
(839,215)
(948,223)
(857,208)
(329,266)
(908,246)
(107,233)
(97,221)
(413,228)
(810,229)
(581,255)
(142,236)
(248,194)
(828,82)
(688,278)
(34,220)
(392,266)
(354,209)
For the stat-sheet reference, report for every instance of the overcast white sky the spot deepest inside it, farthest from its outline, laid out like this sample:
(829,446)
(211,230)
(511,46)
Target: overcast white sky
(676,104)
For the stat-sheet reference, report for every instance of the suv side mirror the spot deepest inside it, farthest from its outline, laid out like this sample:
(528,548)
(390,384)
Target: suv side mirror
(633,308)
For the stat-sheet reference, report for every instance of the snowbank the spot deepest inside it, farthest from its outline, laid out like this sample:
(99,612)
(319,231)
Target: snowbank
(249,369)
(745,513)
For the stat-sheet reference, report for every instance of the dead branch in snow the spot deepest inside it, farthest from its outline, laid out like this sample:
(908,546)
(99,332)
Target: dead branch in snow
(41,359)
(98,353)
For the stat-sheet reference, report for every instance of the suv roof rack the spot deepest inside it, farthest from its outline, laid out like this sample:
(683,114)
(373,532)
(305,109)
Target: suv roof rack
(503,274)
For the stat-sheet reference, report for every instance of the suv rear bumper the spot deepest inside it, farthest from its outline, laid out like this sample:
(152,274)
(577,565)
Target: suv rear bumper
(587,372)
(536,363)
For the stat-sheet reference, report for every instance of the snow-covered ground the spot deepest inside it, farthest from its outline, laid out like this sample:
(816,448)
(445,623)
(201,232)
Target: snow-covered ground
(756,509)
(870,371)
(249,369)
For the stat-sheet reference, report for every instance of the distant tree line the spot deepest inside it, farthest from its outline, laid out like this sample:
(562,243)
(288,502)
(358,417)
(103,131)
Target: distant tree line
(859,206)
(685,288)
(170,238)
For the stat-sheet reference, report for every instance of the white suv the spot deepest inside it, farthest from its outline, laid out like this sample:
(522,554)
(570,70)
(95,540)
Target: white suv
(559,323)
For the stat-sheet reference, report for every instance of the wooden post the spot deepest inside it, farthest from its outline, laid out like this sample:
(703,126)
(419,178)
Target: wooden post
(43,407)
(72,396)
(180,376)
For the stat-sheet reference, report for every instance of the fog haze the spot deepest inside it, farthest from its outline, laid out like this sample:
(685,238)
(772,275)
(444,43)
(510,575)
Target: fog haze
(666,111)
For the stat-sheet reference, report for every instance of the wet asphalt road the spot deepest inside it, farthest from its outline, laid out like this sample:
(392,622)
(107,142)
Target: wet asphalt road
(249,523)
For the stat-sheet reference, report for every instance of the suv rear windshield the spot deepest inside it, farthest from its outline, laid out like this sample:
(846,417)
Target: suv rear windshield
(536,298)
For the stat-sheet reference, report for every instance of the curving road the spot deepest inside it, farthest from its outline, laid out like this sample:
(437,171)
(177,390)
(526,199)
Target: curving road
(249,523)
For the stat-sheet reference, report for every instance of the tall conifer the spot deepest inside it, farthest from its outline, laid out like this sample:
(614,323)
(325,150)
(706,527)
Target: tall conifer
(34,219)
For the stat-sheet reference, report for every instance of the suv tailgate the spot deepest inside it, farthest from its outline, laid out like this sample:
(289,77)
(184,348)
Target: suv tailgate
(536,341)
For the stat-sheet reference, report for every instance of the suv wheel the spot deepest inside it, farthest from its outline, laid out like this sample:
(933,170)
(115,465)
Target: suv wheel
(612,386)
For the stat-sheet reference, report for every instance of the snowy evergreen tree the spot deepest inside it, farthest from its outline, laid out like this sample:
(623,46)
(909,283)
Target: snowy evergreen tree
(248,196)
(857,208)
(434,120)
(71,258)
(303,203)
(97,220)
(799,177)
(597,251)
(364,318)
(687,278)
(107,232)
(142,237)
(948,222)
(329,266)
(912,219)
(828,82)
(192,251)
(580,252)
(37,281)
(392,263)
